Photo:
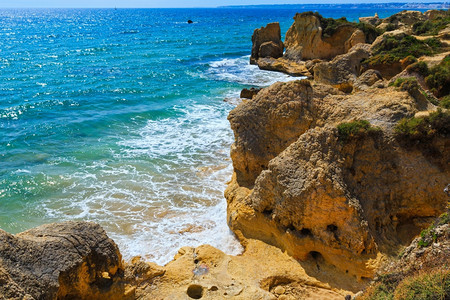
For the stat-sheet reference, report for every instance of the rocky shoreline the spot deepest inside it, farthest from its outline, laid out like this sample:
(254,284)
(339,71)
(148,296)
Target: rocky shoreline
(334,175)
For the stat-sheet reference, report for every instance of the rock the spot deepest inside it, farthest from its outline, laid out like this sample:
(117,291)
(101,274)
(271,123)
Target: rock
(304,39)
(270,49)
(299,187)
(387,69)
(279,290)
(257,125)
(357,37)
(251,275)
(266,42)
(368,78)
(403,20)
(343,70)
(63,260)
(374,21)
(284,65)
(444,34)
(249,93)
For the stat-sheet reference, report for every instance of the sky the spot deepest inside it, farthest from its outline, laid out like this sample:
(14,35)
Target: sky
(176,3)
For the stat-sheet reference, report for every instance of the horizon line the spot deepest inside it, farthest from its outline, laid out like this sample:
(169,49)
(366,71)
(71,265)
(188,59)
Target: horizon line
(231,6)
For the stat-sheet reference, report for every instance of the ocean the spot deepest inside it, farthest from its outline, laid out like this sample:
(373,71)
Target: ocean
(120,117)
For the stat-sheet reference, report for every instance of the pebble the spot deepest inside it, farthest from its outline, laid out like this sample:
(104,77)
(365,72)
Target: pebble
(279,290)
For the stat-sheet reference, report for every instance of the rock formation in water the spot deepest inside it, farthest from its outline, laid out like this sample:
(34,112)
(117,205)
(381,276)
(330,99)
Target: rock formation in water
(249,93)
(267,42)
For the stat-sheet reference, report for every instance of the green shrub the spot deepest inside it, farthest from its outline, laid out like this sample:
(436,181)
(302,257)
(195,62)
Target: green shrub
(432,27)
(419,67)
(402,80)
(444,219)
(391,27)
(439,79)
(424,128)
(445,102)
(393,49)
(434,285)
(427,236)
(356,129)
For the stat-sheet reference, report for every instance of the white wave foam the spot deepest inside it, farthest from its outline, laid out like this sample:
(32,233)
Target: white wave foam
(163,190)
(240,71)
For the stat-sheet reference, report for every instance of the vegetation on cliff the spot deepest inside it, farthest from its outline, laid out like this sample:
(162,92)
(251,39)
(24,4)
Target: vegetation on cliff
(432,26)
(438,78)
(330,26)
(424,128)
(394,48)
(356,129)
(421,271)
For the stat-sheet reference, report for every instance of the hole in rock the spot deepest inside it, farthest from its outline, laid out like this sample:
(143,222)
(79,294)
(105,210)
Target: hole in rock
(268,212)
(315,255)
(195,291)
(306,231)
(214,288)
(290,227)
(332,228)
(195,261)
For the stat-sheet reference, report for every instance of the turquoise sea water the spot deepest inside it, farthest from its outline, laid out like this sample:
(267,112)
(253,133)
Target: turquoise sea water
(118,117)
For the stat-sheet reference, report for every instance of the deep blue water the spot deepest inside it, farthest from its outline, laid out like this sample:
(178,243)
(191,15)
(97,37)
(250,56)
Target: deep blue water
(118,116)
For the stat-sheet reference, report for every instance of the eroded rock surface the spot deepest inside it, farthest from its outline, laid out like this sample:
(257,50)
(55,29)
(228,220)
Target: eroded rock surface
(304,39)
(298,186)
(71,260)
(344,69)
(261,272)
(266,42)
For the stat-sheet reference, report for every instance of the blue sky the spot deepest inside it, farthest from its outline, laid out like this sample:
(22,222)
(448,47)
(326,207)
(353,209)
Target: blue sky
(173,3)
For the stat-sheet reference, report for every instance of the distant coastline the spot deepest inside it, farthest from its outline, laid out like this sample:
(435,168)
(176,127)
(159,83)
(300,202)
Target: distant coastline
(359,6)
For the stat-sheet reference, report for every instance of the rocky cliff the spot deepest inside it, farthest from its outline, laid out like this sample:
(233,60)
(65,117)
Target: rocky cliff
(302,186)
(305,39)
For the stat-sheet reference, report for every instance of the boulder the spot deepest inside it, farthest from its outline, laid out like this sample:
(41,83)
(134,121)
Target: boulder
(343,70)
(70,260)
(304,39)
(369,78)
(270,49)
(284,65)
(249,93)
(266,42)
(374,21)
